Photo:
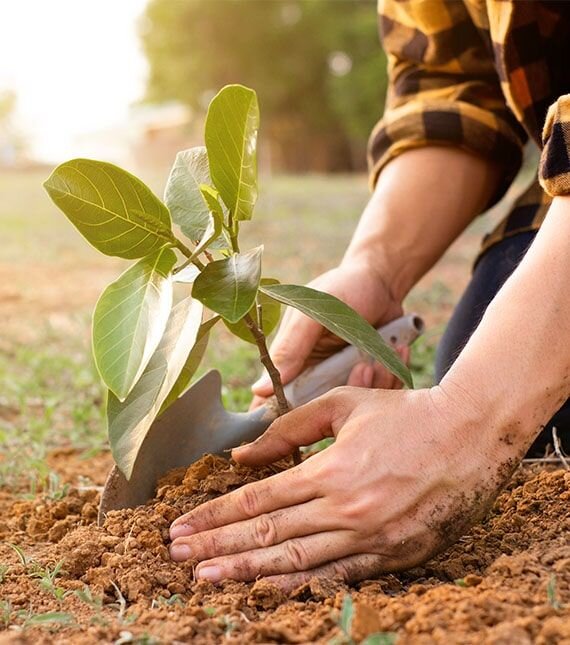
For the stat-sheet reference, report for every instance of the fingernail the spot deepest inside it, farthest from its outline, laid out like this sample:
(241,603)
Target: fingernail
(180,530)
(213,574)
(180,552)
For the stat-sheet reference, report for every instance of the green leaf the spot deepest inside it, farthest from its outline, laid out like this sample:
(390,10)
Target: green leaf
(187,275)
(130,318)
(380,638)
(270,314)
(192,363)
(182,194)
(231,140)
(129,421)
(211,198)
(51,617)
(229,286)
(213,231)
(341,320)
(346,613)
(112,209)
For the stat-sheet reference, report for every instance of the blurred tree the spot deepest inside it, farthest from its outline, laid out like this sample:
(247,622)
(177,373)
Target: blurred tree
(317,67)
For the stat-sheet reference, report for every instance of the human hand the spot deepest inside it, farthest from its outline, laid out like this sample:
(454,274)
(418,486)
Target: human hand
(301,342)
(409,472)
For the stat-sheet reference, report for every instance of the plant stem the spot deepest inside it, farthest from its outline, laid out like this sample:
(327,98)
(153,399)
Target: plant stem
(233,230)
(269,365)
(188,253)
(234,241)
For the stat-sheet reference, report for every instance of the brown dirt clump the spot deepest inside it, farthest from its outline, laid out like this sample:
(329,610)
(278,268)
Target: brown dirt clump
(507,581)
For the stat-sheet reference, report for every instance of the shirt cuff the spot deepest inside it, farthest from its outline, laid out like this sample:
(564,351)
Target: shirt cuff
(555,159)
(462,125)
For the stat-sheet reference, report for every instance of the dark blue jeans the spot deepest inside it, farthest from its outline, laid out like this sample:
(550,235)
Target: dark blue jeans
(493,268)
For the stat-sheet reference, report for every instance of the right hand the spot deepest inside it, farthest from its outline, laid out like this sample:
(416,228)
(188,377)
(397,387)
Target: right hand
(301,342)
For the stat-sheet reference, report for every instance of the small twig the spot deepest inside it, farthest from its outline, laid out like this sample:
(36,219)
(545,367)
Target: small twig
(282,403)
(268,363)
(188,253)
(558,448)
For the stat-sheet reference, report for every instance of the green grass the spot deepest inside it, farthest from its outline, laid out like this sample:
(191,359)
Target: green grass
(50,394)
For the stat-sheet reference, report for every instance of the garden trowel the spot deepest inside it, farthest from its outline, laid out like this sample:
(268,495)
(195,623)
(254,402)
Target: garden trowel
(197,423)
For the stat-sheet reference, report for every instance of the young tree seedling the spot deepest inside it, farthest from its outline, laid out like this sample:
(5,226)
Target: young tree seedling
(146,349)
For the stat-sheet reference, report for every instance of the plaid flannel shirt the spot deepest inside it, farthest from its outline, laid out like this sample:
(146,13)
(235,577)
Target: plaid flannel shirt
(482,75)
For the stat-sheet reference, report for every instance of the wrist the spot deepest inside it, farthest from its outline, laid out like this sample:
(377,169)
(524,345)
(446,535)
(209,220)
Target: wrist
(382,260)
(486,413)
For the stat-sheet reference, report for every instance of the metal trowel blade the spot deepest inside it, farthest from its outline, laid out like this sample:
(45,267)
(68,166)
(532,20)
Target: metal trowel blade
(196,424)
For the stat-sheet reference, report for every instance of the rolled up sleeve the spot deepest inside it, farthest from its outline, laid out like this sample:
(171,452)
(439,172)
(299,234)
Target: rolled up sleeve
(443,88)
(554,172)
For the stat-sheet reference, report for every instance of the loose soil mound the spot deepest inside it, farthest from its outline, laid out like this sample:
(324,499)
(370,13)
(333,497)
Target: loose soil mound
(508,581)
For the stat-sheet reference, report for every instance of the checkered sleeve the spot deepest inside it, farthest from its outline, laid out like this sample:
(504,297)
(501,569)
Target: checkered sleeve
(555,159)
(443,88)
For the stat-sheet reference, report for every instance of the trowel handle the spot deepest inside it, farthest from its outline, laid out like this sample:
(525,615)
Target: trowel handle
(334,371)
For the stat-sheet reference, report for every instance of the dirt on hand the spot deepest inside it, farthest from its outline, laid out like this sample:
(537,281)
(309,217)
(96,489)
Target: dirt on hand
(507,581)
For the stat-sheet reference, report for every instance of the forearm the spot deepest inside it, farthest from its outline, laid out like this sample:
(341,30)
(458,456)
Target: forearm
(423,200)
(517,363)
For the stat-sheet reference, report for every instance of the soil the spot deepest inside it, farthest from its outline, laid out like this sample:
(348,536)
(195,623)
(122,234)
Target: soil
(508,581)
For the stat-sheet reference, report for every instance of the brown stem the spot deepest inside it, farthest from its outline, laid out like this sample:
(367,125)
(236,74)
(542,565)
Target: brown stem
(188,253)
(282,403)
(269,365)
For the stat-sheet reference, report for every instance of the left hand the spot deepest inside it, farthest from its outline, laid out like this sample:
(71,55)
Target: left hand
(409,473)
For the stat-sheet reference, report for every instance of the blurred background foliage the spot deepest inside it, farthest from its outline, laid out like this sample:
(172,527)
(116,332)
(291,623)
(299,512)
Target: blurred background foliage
(316,65)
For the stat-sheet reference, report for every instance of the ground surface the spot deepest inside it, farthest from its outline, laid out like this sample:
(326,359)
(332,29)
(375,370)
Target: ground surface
(507,582)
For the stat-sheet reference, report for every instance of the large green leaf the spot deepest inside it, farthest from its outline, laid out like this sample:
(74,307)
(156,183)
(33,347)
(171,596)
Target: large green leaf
(130,318)
(112,209)
(182,194)
(129,421)
(187,275)
(342,321)
(192,363)
(270,314)
(229,286)
(231,140)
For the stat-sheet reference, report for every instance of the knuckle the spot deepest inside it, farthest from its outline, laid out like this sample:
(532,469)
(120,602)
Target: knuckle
(338,393)
(297,555)
(243,570)
(340,570)
(248,501)
(264,531)
(323,473)
(354,511)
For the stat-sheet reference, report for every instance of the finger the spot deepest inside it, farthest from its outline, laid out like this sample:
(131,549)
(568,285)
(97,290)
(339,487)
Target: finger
(383,379)
(299,427)
(263,531)
(361,375)
(290,349)
(257,402)
(393,382)
(351,569)
(405,351)
(285,489)
(298,554)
